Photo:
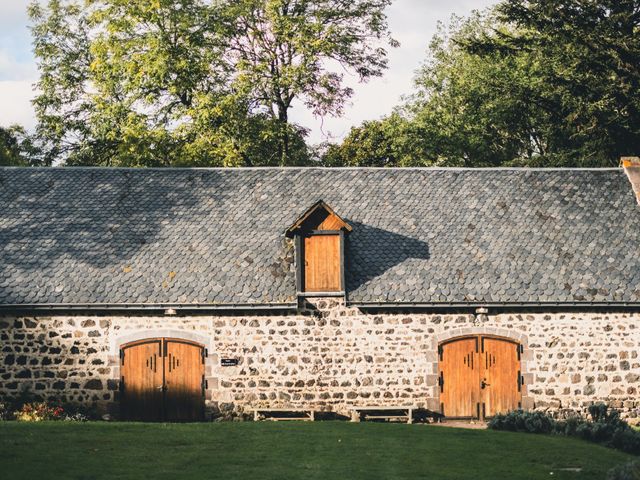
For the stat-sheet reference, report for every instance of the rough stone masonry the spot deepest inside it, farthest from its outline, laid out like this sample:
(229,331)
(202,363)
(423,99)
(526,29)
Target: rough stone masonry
(327,357)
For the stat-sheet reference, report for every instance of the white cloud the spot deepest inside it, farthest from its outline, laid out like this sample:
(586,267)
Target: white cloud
(15,98)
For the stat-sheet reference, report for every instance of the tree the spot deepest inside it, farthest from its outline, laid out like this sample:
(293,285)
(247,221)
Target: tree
(195,82)
(17,148)
(287,50)
(531,83)
(590,51)
(61,47)
(389,142)
(474,110)
(467,110)
(140,83)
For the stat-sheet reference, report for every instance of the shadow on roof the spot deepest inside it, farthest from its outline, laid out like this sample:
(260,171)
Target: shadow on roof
(372,251)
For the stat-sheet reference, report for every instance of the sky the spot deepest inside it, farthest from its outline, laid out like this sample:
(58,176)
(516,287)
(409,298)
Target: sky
(412,23)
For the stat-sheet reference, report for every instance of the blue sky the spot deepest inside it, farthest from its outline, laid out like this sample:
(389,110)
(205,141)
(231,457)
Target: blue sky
(413,23)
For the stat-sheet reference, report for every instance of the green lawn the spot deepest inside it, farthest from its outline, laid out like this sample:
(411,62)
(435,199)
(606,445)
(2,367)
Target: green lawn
(321,450)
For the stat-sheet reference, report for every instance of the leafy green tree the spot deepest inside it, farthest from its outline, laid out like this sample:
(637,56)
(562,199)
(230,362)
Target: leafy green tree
(140,83)
(195,82)
(287,50)
(589,54)
(467,110)
(61,47)
(17,148)
(389,142)
(474,110)
(530,83)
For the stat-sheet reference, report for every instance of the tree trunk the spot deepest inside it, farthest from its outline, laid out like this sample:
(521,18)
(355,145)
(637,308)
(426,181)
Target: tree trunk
(283,120)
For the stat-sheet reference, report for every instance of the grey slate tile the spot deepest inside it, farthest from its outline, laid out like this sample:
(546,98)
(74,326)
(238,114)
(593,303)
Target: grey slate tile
(420,235)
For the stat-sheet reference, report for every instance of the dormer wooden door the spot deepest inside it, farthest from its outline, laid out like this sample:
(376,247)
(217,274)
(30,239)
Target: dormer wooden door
(322,259)
(162,379)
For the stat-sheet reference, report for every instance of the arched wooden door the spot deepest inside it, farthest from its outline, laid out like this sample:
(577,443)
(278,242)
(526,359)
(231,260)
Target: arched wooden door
(479,376)
(162,379)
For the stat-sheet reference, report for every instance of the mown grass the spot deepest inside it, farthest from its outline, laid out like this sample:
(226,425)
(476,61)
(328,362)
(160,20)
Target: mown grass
(321,450)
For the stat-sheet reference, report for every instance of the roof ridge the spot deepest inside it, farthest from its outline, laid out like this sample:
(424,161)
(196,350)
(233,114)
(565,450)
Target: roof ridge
(303,168)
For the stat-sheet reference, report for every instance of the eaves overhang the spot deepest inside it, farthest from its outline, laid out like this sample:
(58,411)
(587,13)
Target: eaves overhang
(147,307)
(492,305)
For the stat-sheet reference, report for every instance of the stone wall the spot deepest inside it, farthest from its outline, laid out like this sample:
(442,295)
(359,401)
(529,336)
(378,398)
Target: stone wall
(328,356)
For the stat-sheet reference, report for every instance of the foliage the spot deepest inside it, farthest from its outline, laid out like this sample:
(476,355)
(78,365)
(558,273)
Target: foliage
(605,427)
(286,50)
(528,83)
(523,421)
(627,471)
(76,417)
(5,411)
(590,51)
(319,450)
(38,412)
(387,142)
(17,148)
(193,82)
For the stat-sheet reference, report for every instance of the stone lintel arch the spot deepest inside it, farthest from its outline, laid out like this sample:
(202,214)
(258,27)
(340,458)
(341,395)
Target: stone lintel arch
(508,334)
(132,336)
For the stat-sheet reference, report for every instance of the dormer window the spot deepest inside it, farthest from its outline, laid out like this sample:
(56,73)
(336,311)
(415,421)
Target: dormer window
(319,236)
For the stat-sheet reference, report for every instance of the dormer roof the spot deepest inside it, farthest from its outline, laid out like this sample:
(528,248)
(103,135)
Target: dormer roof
(319,216)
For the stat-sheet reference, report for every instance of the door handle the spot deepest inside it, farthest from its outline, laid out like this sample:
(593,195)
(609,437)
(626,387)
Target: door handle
(484,383)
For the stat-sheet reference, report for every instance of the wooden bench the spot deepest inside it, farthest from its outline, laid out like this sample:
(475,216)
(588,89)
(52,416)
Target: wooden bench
(278,414)
(382,413)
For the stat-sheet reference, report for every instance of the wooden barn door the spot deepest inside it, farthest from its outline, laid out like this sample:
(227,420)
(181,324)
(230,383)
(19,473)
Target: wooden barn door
(142,380)
(184,381)
(479,377)
(500,377)
(459,395)
(162,379)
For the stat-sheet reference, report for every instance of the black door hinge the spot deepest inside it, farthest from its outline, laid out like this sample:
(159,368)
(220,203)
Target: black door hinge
(441,382)
(122,356)
(519,381)
(440,352)
(205,385)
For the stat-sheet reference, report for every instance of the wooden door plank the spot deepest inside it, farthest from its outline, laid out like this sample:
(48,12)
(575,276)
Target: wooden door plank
(500,368)
(184,374)
(142,375)
(460,374)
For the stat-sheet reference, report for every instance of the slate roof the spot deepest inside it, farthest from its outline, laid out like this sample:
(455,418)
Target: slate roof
(216,236)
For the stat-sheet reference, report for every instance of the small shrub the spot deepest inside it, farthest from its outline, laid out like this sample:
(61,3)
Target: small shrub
(79,413)
(521,421)
(628,471)
(76,417)
(37,412)
(5,412)
(606,427)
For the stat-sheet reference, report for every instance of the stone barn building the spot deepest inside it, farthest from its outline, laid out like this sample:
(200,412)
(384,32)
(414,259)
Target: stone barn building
(177,293)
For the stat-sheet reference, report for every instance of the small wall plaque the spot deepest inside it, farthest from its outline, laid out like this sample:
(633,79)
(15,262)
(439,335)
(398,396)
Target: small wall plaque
(228,362)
